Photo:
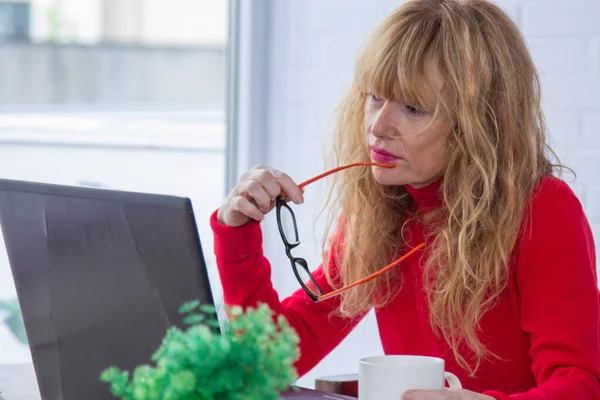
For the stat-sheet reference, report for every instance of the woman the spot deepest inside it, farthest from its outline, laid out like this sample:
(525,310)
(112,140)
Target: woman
(505,289)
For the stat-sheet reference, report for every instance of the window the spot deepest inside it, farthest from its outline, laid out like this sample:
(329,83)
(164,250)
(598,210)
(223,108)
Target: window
(126,95)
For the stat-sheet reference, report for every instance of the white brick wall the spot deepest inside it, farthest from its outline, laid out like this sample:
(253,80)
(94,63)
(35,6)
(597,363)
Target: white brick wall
(313,45)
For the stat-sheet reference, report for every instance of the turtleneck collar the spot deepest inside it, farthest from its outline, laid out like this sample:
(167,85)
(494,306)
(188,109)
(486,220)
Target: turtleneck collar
(426,197)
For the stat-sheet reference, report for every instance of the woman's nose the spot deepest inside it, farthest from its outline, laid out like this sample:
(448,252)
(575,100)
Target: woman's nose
(384,123)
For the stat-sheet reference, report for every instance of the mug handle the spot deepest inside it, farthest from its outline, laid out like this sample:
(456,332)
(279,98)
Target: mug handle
(453,381)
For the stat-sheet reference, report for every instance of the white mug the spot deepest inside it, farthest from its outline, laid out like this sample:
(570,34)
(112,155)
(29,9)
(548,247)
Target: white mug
(389,377)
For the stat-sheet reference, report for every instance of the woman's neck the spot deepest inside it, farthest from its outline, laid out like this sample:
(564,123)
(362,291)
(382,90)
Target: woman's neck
(426,196)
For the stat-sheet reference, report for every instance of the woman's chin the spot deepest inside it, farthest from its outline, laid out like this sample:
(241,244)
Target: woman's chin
(388,177)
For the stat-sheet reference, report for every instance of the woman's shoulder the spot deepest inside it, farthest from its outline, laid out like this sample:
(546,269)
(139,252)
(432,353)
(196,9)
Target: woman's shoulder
(556,232)
(554,195)
(553,210)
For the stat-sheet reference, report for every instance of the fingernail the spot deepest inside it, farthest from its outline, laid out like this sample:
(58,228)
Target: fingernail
(299,199)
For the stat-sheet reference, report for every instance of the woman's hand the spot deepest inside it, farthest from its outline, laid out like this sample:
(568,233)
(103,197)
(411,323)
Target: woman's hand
(444,394)
(255,194)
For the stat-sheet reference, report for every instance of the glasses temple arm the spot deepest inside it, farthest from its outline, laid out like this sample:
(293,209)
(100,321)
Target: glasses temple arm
(334,170)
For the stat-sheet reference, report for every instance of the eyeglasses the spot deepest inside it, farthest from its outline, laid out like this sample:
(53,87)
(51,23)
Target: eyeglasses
(288,228)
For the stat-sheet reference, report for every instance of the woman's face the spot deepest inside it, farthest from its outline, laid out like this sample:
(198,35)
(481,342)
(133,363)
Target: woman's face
(400,133)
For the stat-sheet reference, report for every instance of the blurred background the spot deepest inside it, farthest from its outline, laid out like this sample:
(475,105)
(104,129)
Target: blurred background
(182,96)
(115,94)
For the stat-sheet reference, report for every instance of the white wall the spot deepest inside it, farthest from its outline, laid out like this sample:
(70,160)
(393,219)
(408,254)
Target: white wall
(313,44)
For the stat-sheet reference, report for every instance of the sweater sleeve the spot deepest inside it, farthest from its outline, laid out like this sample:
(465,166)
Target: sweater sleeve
(557,282)
(245,275)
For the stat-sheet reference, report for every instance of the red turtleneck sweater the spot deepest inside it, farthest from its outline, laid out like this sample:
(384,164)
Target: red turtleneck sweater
(544,327)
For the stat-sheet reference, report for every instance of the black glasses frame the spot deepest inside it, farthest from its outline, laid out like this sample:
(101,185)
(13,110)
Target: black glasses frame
(296,261)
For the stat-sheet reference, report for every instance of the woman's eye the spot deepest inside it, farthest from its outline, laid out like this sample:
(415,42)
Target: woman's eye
(412,110)
(372,97)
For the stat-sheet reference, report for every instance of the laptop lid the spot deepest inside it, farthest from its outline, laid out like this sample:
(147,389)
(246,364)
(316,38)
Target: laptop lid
(100,276)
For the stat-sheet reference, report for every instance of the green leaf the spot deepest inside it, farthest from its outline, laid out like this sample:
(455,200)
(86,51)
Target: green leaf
(183,382)
(213,323)
(235,311)
(194,319)
(117,379)
(189,306)
(208,308)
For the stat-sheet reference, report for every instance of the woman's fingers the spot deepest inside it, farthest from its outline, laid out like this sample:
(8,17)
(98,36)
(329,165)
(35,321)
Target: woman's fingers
(243,205)
(290,187)
(255,191)
(255,195)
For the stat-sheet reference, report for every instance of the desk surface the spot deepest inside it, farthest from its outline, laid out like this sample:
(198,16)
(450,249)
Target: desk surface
(17,382)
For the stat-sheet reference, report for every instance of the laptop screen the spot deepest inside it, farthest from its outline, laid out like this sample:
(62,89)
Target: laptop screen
(100,276)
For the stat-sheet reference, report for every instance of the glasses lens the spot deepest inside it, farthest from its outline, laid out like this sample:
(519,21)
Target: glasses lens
(288,225)
(307,278)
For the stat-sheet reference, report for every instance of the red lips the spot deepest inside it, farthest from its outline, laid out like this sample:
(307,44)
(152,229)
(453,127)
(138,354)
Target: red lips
(382,152)
(380,155)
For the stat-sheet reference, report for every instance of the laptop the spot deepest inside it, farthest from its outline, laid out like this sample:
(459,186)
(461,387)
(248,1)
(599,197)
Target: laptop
(100,276)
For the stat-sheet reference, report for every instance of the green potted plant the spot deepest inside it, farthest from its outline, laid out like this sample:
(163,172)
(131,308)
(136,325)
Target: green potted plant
(251,358)
(13,319)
